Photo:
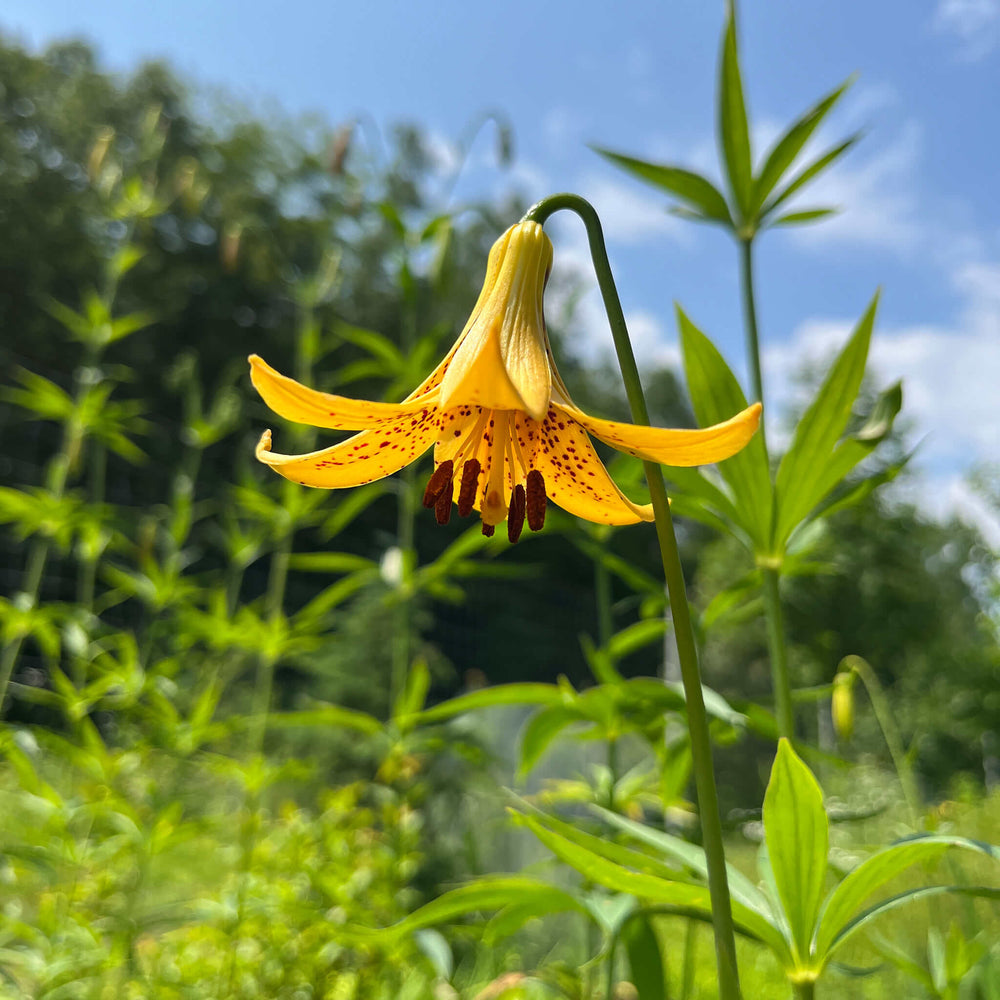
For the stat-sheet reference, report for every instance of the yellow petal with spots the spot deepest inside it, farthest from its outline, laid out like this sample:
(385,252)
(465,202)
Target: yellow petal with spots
(680,448)
(363,458)
(294,401)
(575,478)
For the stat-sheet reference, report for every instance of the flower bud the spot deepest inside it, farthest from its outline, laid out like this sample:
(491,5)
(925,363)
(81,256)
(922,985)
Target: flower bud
(842,704)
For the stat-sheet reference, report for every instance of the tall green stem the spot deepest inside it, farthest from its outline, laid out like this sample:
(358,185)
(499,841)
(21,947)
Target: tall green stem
(779,654)
(805,991)
(750,318)
(701,746)
(776,641)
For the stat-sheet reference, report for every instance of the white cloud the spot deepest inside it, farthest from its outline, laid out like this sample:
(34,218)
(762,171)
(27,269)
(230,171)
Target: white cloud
(975,23)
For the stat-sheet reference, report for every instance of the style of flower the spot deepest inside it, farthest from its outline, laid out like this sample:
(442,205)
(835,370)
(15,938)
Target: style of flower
(506,434)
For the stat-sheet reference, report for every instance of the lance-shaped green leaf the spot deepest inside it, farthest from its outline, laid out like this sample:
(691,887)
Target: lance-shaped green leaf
(734,130)
(802,481)
(330,562)
(740,599)
(785,151)
(711,498)
(698,192)
(618,853)
(797,833)
(848,454)
(804,176)
(527,693)
(39,395)
(541,729)
(679,896)
(909,896)
(714,391)
(485,894)
(871,875)
(691,856)
(805,217)
(414,694)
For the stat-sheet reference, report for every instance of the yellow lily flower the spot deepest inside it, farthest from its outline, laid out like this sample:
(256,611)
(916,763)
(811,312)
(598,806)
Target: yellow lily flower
(506,434)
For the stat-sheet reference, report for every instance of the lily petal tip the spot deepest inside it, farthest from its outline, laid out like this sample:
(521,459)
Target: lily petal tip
(264,444)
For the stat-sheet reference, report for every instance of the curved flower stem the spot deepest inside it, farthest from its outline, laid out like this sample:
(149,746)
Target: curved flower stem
(776,642)
(701,747)
(890,733)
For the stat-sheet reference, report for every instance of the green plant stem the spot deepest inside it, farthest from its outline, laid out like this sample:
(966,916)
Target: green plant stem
(750,318)
(701,745)
(776,641)
(779,654)
(805,991)
(890,733)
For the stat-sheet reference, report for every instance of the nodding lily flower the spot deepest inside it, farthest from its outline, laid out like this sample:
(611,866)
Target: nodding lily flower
(506,434)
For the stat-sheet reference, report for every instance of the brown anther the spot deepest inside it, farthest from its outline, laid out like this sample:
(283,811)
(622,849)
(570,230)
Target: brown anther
(467,491)
(438,483)
(488,529)
(515,515)
(536,500)
(442,509)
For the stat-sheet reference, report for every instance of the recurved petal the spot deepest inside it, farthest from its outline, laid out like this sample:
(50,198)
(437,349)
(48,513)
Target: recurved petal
(294,401)
(575,478)
(363,458)
(672,447)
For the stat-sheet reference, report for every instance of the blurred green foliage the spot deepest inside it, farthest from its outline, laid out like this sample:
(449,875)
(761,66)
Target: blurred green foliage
(214,775)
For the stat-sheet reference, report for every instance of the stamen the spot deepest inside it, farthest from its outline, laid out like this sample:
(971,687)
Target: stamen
(535,500)
(442,509)
(515,516)
(467,491)
(438,483)
(488,529)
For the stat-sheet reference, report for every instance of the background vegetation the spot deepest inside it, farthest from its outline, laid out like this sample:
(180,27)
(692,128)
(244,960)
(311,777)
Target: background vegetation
(221,752)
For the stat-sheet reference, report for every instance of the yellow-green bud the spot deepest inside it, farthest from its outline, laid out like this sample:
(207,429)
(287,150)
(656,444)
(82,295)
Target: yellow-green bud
(842,704)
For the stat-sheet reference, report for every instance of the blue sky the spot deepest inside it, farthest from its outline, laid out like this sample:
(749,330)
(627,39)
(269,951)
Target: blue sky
(921,216)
